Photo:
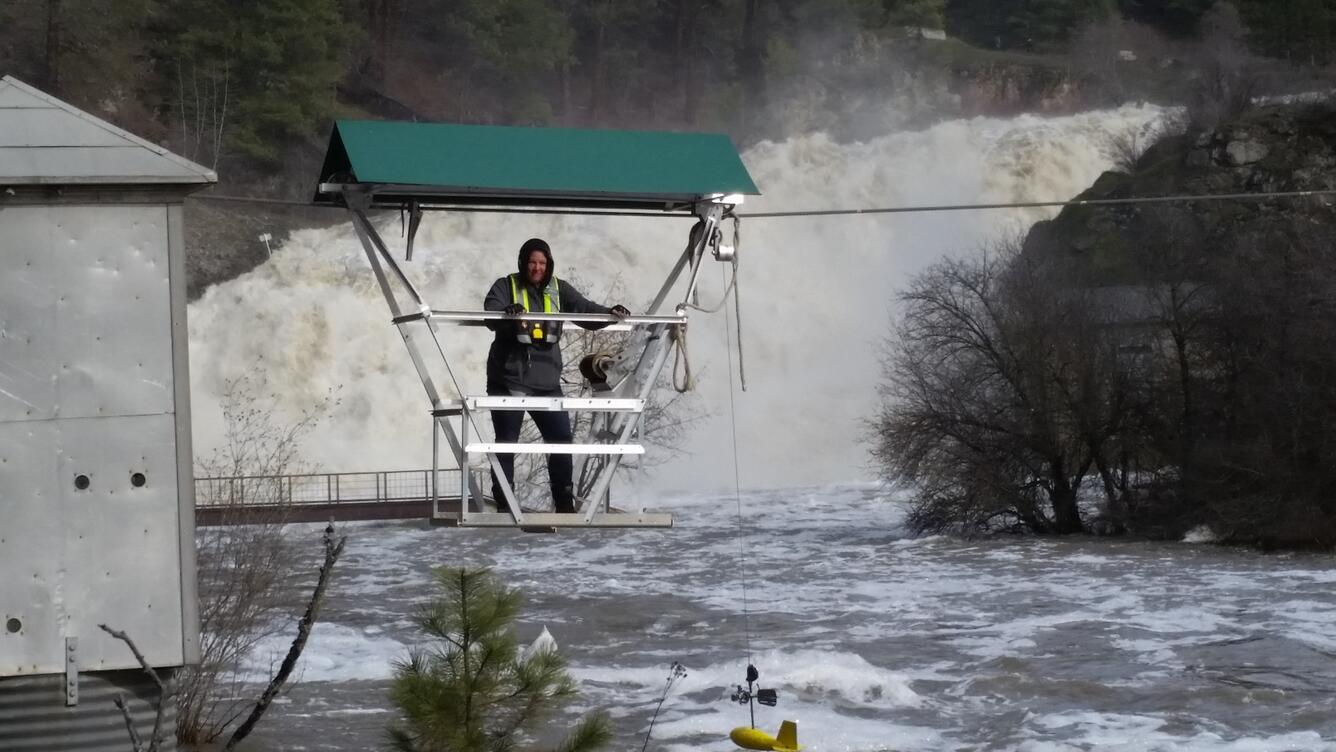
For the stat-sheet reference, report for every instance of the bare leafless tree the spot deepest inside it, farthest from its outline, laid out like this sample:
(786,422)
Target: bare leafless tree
(333,548)
(1126,147)
(166,692)
(998,397)
(1224,71)
(244,562)
(202,101)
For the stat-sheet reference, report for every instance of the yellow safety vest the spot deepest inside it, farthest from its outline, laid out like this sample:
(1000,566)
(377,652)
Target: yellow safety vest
(533,332)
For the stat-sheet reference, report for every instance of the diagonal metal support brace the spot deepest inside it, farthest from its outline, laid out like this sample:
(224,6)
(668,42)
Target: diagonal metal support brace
(659,340)
(381,259)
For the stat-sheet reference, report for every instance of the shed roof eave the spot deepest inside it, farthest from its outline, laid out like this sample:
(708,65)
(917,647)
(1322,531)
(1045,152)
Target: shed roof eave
(105,181)
(170,168)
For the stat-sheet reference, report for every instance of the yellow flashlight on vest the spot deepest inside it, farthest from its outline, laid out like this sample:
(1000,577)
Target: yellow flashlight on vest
(537,332)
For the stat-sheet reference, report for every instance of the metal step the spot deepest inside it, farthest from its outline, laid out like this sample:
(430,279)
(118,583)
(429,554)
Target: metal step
(555,519)
(453,407)
(594,404)
(554,449)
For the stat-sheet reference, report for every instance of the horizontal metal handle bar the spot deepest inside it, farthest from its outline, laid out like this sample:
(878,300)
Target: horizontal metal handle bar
(618,405)
(554,449)
(556,519)
(452,407)
(478,318)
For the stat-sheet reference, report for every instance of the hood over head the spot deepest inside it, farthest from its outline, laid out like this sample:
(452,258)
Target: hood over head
(536,244)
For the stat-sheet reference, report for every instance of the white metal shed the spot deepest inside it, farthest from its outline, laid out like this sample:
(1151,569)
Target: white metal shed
(96,492)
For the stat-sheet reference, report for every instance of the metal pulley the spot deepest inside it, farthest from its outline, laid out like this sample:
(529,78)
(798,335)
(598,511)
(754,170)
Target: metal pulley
(594,367)
(720,250)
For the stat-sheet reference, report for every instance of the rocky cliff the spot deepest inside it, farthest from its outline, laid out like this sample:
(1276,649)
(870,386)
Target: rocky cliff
(1277,148)
(1224,375)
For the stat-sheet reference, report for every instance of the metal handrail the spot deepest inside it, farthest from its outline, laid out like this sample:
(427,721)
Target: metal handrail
(479,318)
(313,489)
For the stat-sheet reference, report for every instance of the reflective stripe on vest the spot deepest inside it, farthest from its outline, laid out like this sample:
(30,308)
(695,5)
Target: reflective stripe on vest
(551,304)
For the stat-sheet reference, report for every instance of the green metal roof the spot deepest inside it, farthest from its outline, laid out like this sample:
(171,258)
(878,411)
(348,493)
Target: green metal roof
(516,166)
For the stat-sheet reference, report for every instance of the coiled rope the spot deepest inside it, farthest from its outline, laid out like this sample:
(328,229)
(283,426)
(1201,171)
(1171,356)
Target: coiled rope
(683,379)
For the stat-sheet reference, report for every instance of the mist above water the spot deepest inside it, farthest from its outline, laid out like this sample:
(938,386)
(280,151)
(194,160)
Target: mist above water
(817,297)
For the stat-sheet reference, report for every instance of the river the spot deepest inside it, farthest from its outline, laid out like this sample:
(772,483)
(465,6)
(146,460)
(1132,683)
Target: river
(874,640)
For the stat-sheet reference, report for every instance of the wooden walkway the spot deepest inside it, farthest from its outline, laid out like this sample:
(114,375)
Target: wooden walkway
(319,497)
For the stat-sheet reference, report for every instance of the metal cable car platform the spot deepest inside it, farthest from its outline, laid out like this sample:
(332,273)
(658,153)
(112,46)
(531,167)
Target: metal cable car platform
(411,168)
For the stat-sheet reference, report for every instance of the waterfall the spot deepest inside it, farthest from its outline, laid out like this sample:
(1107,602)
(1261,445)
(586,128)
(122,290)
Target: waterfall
(817,295)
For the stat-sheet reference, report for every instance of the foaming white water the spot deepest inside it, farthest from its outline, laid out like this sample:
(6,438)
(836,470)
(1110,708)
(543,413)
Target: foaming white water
(816,293)
(875,642)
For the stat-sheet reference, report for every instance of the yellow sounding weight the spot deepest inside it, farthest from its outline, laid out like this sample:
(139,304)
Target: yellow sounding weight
(752,738)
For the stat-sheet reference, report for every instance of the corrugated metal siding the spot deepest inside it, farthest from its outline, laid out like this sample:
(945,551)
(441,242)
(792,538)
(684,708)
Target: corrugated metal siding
(34,717)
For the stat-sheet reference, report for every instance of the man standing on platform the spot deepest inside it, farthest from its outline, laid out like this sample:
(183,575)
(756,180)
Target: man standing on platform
(525,361)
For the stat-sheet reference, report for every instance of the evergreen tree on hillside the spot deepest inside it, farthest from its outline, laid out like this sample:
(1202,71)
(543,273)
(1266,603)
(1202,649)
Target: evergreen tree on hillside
(613,53)
(510,47)
(1302,31)
(88,52)
(251,75)
(981,22)
(1047,24)
(928,14)
(472,689)
(1023,24)
(1177,18)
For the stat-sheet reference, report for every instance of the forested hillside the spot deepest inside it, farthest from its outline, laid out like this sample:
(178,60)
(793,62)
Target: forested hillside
(251,85)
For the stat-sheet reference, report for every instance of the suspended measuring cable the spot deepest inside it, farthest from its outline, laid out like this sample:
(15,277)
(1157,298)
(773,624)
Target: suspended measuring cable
(1179,198)
(444,207)
(737,496)
(1184,198)
(749,737)
(737,300)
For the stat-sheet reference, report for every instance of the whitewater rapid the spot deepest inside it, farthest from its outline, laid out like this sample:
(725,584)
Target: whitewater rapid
(817,298)
(875,641)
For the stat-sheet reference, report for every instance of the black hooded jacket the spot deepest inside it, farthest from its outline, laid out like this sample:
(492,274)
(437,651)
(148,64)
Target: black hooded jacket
(513,366)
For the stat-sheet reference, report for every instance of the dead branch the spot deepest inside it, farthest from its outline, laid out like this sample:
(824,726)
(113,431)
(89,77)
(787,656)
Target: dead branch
(135,742)
(163,695)
(333,550)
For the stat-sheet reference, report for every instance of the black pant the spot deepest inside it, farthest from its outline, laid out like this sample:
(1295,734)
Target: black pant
(555,426)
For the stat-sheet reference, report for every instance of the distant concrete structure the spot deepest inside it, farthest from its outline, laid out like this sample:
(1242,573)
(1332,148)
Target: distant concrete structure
(96,492)
(924,32)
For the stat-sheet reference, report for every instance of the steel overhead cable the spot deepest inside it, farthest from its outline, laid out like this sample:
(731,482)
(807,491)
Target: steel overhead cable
(1180,199)
(437,207)
(920,209)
